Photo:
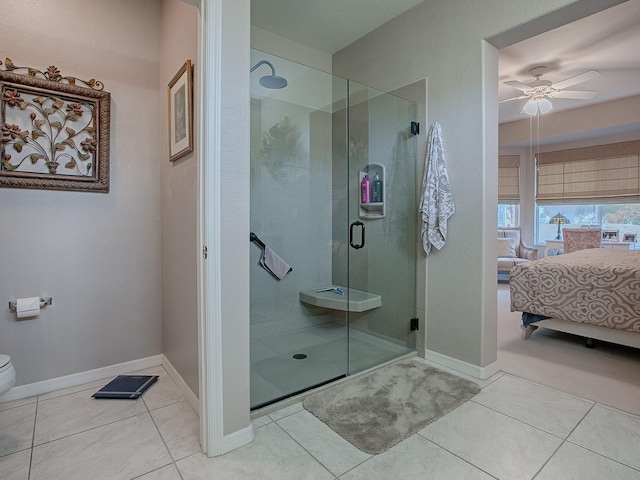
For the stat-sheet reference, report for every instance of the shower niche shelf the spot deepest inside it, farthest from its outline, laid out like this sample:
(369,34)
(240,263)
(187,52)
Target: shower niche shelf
(378,209)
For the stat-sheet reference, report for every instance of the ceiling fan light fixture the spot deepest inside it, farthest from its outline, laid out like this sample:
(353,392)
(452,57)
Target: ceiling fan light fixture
(531,107)
(535,105)
(539,92)
(544,105)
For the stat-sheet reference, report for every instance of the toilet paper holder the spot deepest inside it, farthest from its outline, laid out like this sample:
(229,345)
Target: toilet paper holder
(44,301)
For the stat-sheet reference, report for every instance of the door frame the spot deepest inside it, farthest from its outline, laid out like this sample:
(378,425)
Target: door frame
(222,45)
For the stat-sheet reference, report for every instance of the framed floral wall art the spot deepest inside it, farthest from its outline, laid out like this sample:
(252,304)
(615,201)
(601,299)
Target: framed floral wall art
(55,134)
(181,113)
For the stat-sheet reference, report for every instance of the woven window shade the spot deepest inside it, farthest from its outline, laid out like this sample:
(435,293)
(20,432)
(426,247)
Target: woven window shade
(509,179)
(602,174)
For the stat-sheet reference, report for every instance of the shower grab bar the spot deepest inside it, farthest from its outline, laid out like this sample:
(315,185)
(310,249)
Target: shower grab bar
(254,238)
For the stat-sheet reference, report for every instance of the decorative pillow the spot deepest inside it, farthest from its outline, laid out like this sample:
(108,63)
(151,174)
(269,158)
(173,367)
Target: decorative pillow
(506,248)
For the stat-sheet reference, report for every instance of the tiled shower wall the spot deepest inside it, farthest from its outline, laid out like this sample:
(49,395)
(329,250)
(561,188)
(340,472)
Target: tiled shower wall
(290,210)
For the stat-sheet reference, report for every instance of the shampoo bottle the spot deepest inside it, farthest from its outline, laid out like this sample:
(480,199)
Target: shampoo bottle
(365,187)
(377,189)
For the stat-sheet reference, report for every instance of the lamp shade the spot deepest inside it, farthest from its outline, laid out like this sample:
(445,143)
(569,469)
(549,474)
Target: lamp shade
(559,219)
(533,105)
(544,105)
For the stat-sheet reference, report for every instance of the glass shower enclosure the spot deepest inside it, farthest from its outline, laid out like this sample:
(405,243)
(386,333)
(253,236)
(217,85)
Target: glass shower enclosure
(333,280)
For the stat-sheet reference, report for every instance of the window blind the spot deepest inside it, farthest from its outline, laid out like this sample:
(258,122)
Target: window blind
(508,179)
(601,174)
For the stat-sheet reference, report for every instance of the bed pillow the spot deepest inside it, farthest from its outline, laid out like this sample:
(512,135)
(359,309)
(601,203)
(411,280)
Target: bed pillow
(506,248)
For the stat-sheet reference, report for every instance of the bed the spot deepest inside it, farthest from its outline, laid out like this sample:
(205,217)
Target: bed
(594,293)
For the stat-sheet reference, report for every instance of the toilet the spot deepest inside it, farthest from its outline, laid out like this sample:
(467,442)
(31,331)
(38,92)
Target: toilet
(7,374)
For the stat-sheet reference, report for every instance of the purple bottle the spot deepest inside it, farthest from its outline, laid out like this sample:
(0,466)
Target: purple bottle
(365,187)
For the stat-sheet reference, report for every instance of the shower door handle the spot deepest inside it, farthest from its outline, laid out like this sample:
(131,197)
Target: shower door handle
(353,225)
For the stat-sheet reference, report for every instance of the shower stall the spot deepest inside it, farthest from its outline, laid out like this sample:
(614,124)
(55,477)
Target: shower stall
(347,297)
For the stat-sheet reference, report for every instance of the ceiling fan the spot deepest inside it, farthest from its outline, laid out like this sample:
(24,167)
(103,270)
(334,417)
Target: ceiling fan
(539,92)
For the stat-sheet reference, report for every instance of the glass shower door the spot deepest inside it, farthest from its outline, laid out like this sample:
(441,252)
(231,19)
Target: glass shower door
(382,226)
(298,326)
(346,304)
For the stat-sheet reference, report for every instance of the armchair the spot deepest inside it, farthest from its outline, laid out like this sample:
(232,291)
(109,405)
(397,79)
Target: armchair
(511,249)
(581,238)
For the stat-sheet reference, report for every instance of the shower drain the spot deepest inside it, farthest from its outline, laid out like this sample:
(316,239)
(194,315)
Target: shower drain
(299,356)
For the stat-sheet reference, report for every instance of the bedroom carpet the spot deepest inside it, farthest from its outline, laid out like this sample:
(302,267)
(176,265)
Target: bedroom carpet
(607,374)
(378,410)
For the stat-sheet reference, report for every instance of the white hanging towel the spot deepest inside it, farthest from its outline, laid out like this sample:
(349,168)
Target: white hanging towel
(273,264)
(437,202)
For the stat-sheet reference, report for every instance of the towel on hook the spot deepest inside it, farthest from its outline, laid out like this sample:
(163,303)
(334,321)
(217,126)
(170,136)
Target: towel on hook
(273,264)
(437,202)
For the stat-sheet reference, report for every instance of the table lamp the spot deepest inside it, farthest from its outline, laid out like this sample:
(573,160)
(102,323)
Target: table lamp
(559,220)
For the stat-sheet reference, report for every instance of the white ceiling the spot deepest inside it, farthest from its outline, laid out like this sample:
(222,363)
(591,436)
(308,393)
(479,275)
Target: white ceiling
(608,42)
(326,25)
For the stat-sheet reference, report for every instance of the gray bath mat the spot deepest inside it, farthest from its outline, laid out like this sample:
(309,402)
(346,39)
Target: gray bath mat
(378,410)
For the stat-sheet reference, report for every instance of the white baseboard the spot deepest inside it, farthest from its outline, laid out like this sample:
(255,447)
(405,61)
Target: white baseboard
(46,386)
(230,442)
(182,385)
(237,439)
(474,371)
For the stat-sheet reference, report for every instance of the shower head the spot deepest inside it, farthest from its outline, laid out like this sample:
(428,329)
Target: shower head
(270,81)
(273,81)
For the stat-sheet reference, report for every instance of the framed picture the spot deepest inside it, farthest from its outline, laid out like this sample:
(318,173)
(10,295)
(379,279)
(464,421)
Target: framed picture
(181,113)
(55,135)
(630,237)
(609,235)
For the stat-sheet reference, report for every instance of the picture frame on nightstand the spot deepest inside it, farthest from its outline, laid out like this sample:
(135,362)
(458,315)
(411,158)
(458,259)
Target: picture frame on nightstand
(630,237)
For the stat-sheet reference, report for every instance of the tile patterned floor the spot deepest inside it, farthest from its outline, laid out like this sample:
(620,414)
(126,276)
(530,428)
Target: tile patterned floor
(513,429)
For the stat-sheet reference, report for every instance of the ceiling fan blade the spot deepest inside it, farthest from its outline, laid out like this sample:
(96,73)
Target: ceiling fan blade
(519,85)
(575,94)
(583,77)
(514,98)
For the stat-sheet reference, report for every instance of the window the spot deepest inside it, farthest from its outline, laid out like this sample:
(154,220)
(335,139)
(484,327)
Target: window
(591,186)
(623,218)
(508,215)
(601,174)
(508,191)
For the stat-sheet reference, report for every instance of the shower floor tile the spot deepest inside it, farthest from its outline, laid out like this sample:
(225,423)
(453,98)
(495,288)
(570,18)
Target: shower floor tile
(260,351)
(261,390)
(331,330)
(291,341)
(324,362)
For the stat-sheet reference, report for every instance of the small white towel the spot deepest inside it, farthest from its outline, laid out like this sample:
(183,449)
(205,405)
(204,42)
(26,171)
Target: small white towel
(273,264)
(437,202)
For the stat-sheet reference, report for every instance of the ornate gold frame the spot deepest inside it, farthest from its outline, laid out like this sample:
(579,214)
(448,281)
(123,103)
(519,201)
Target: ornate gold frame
(55,134)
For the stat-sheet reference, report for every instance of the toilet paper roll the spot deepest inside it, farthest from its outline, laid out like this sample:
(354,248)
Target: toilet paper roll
(28,307)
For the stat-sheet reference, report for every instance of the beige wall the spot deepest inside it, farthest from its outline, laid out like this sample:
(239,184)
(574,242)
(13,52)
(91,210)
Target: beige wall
(585,121)
(179,197)
(234,212)
(96,255)
(443,41)
(283,47)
